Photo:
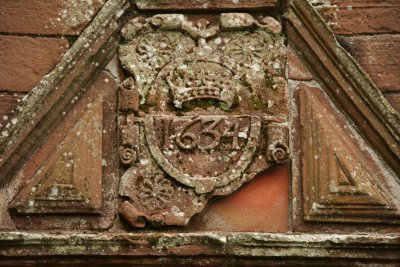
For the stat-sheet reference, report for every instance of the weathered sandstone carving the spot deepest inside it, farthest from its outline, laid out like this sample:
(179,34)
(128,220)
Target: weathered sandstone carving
(203,111)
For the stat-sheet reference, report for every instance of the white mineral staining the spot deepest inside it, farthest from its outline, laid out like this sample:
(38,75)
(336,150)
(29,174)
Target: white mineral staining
(314,206)
(168,152)
(24,98)
(236,20)
(218,40)
(119,13)
(233,153)
(74,13)
(242,135)
(53,192)
(183,90)
(272,25)
(177,212)
(177,103)
(144,162)
(332,187)
(276,65)
(256,67)
(167,21)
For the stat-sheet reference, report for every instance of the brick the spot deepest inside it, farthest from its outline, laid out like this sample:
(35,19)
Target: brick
(8,103)
(24,60)
(378,56)
(46,16)
(361,16)
(207,4)
(394,100)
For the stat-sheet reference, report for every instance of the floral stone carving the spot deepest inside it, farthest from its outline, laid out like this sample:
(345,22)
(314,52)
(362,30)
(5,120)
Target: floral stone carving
(203,111)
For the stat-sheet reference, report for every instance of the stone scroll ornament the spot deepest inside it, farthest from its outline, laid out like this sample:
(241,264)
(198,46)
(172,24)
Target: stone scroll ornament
(203,111)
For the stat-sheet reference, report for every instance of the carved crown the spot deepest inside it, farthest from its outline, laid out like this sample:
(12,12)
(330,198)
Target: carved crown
(201,80)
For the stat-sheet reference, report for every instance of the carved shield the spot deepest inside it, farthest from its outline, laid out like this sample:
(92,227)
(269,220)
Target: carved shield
(201,114)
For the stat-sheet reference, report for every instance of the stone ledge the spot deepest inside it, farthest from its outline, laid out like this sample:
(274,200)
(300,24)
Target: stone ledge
(204,4)
(213,244)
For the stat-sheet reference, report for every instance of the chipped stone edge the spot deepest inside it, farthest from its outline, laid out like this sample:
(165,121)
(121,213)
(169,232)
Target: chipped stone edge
(377,113)
(345,246)
(28,115)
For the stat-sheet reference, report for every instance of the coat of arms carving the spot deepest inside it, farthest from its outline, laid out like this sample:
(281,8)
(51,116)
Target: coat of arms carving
(203,111)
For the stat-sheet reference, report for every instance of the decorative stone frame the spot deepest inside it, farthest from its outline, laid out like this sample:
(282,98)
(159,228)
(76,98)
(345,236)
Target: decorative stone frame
(326,58)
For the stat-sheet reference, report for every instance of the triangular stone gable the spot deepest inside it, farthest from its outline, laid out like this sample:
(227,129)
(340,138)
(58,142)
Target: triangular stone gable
(344,81)
(70,178)
(341,179)
(338,181)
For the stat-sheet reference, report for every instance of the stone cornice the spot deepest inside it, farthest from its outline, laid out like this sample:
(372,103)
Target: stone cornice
(213,244)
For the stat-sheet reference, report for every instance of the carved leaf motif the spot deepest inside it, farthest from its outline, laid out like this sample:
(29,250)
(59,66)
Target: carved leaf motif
(155,50)
(144,56)
(248,50)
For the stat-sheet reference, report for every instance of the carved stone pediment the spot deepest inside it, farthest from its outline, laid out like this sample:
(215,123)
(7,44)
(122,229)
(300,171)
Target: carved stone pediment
(146,129)
(203,111)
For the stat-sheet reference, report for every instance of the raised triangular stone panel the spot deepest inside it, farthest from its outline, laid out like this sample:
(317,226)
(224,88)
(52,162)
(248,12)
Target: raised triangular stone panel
(344,81)
(70,179)
(342,180)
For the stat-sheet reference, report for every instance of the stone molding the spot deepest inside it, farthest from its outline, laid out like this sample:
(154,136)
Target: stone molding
(42,109)
(344,80)
(342,180)
(257,245)
(203,4)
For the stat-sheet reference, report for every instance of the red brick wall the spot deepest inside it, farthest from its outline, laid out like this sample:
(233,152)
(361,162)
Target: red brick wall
(33,36)
(369,30)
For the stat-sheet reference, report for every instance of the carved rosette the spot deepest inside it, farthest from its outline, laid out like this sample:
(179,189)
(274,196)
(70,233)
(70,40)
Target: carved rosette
(203,111)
